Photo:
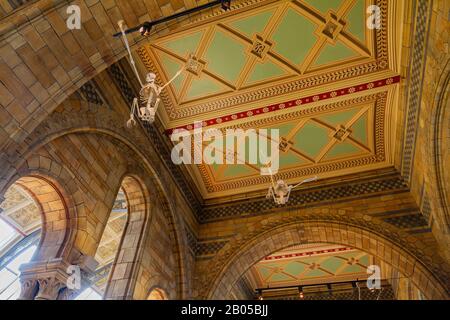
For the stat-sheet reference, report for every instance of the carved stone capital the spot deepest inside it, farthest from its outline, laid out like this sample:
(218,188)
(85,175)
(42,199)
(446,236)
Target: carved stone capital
(28,289)
(56,279)
(49,288)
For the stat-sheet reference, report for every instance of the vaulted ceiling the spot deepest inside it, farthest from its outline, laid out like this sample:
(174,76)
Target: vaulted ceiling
(312,69)
(309,264)
(20,210)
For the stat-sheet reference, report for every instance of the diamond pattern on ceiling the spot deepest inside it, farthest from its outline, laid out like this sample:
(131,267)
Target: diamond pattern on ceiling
(281,41)
(321,138)
(312,265)
(309,68)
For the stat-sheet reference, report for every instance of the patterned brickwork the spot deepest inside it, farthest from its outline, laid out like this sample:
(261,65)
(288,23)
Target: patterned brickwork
(430,177)
(298,199)
(365,294)
(91,94)
(8,6)
(416,82)
(209,248)
(407,221)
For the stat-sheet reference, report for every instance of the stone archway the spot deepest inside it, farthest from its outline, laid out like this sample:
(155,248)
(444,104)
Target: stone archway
(157,293)
(237,257)
(439,157)
(123,272)
(44,275)
(55,217)
(58,211)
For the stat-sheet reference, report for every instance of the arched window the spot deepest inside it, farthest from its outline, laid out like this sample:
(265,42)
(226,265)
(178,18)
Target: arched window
(108,248)
(20,230)
(157,294)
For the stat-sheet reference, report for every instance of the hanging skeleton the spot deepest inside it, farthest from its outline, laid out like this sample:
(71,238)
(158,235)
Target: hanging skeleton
(146,106)
(280,191)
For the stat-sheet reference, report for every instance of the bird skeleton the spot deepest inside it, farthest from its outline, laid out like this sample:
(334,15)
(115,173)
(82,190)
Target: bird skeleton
(280,191)
(146,106)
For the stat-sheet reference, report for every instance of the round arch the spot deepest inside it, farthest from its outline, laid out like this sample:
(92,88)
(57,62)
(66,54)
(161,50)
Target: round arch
(439,154)
(124,268)
(154,183)
(57,210)
(157,293)
(236,258)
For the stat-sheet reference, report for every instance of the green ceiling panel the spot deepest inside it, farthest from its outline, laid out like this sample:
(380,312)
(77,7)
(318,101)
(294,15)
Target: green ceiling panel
(203,86)
(311,139)
(316,273)
(253,24)
(264,71)
(359,129)
(280,277)
(184,45)
(341,149)
(364,260)
(265,272)
(171,67)
(324,5)
(340,118)
(332,264)
(292,31)
(356,20)
(233,170)
(215,167)
(353,269)
(289,159)
(294,268)
(225,57)
(333,53)
(284,128)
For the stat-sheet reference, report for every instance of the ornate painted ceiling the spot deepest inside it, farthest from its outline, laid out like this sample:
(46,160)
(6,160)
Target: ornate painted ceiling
(20,211)
(308,265)
(310,68)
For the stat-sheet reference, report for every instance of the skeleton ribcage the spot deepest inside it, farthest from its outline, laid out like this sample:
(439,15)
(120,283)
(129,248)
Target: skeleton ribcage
(145,94)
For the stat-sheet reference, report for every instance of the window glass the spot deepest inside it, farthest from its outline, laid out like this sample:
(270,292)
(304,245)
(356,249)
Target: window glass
(7,234)
(9,275)
(22,258)
(89,294)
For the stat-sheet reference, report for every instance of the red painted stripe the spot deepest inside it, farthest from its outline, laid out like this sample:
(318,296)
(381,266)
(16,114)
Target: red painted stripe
(302,254)
(292,103)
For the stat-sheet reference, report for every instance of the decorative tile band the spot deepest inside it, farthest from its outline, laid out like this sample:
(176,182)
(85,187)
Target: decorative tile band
(305,254)
(417,70)
(292,103)
(299,199)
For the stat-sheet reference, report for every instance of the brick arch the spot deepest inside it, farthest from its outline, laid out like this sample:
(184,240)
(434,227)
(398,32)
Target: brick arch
(246,250)
(157,293)
(54,62)
(155,184)
(59,214)
(124,269)
(439,153)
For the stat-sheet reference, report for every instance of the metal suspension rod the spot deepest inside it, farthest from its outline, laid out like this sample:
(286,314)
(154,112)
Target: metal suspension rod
(151,24)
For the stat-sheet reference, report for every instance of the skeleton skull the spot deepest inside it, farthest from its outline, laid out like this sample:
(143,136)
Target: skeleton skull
(150,77)
(281,188)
